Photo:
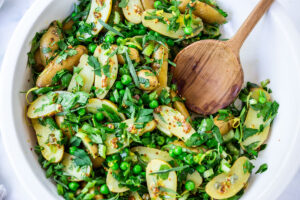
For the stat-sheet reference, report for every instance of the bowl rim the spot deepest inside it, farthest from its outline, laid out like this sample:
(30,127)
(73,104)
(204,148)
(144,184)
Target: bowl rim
(10,136)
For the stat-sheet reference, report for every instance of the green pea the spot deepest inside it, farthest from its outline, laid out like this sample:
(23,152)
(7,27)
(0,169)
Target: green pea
(81,111)
(115,166)
(153,104)
(137,169)
(157,4)
(120,40)
(178,150)
(124,165)
(189,159)
(72,150)
(60,189)
(99,116)
(200,169)
(172,153)
(143,174)
(119,85)
(109,39)
(188,30)
(112,98)
(116,157)
(189,185)
(126,79)
(140,102)
(104,189)
(170,42)
(151,32)
(146,141)
(122,92)
(92,47)
(160,140)
(73,186)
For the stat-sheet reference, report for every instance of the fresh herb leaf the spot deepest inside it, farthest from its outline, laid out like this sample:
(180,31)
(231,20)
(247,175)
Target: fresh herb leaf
(81,158)
(108,27)
(262,168)
(93,62)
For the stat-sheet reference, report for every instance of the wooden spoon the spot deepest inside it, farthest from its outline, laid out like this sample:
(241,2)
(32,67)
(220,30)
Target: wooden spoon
(208,73)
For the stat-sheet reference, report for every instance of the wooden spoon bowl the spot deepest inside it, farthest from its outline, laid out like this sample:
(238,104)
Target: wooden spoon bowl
(208,73)
(217,70)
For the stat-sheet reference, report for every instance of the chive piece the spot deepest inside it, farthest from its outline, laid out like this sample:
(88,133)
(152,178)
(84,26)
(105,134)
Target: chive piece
(108,27)
(149,49)
(169,170)
(132,70)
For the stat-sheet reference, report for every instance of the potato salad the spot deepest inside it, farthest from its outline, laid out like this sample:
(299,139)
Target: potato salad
(110,123)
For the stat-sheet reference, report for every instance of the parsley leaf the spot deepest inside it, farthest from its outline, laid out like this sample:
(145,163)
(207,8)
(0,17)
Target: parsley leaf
(93,62)
(123,3)
(81,158)
(262,168)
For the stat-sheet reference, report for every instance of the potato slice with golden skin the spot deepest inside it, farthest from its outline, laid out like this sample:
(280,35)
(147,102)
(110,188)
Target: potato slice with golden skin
(39,66)
(162,28)
(154,181)
(162,53)
(86,73)
(103,83)
(48,43)
(133,55)
(147,154)
(131,127)
(95,104)
(226,185)
(133,11)
(100,9)
(223,125)
(252,121)
(174,122)
(148,80)
(75,172)
(48,139)
(45,78)
(97,162)
(113,184)
(59,121)
(87,142)
(207,13)
(180,106)
(148,4)
(68,25)
(43,107)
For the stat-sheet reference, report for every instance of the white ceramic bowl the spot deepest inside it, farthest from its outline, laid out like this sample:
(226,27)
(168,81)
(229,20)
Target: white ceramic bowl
(270,52)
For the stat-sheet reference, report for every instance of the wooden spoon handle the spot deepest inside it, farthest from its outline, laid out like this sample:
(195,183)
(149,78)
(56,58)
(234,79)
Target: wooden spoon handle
(237,41)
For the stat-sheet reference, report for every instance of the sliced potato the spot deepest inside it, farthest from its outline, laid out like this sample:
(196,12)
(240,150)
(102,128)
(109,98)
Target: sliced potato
(195,177)
(135,196)
(133,55)
(43,107)
(112,146)
(204,11)
(154,182)
(94,105)
(45,78)
(68,25)
(48,139)
(162,53)
(86,74)
(97,162)
(133,11)
(131,127)
(92,148)
(162,28)
(252,121)
(38,66)
(226,185)
(148,80)
(148,4)
(99,10)
(48,43)
(75,172)
(104,82)
(147,154)
(173,121)
(178,105)
(113,184)
(66,131)
(223,125)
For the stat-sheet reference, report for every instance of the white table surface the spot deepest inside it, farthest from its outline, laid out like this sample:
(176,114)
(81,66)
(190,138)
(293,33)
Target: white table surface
(10,14)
